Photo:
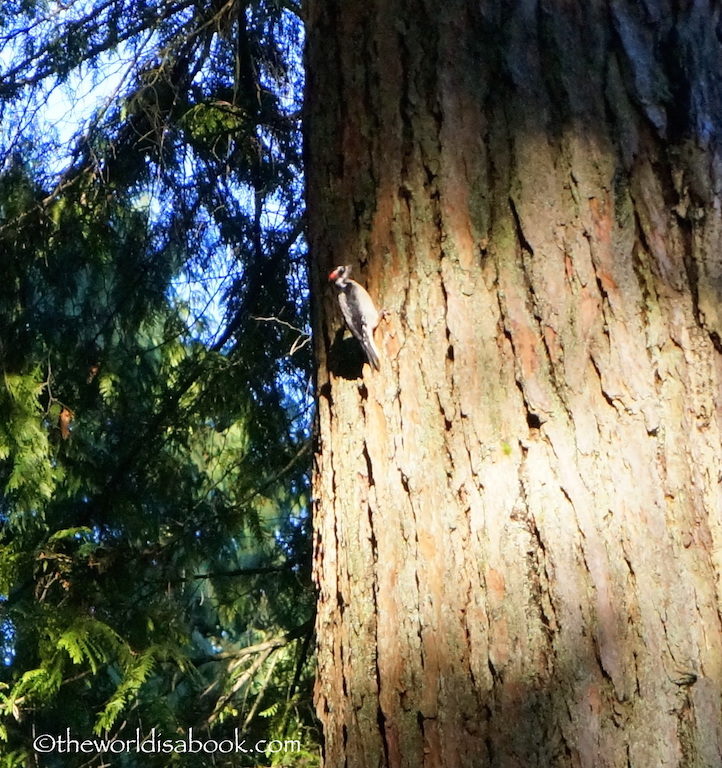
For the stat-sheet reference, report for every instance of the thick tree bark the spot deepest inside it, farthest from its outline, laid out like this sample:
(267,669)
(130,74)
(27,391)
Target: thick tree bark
(518,520)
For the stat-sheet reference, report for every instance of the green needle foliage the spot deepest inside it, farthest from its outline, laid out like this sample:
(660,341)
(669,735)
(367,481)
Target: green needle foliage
(154,382)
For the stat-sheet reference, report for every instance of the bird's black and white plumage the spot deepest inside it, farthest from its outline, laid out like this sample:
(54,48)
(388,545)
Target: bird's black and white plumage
(358,310)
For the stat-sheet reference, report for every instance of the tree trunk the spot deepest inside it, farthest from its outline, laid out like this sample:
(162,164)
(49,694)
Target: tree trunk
(518,529)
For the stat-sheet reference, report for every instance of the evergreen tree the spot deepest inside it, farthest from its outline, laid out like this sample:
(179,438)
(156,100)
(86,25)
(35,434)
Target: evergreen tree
(154,437)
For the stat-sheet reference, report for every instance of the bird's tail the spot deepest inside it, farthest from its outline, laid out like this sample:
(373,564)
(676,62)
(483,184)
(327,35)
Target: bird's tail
(371,352)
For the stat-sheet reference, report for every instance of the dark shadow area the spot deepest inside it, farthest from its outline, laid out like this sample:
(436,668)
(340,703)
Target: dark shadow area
(346,357)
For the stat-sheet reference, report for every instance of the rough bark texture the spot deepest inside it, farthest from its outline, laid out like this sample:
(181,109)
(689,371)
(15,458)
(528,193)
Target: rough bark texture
(518,520)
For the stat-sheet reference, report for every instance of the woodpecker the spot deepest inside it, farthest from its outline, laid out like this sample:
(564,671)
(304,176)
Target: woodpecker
(358,310)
